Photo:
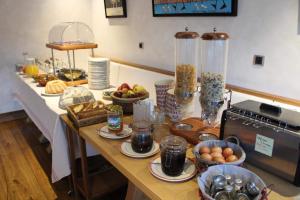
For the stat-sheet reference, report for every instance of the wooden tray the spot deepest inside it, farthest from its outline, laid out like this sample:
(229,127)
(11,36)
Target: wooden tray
(192,135)
(67,47)
(75,83)
(87,118)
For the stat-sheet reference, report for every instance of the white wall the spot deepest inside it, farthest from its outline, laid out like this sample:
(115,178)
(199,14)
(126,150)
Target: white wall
(24,27)
(267,27)
(263,27)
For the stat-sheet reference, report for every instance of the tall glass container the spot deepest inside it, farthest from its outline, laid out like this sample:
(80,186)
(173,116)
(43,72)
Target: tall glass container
(214,54)
(187,48)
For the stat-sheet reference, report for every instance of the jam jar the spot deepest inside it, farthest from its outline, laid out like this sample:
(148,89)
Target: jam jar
(173,154)
(141,140)
(115,119)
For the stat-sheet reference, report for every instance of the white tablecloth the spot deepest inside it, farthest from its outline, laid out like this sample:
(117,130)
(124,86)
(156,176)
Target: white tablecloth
(44,112)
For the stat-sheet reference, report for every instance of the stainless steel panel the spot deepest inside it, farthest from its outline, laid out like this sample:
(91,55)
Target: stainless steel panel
(284,160)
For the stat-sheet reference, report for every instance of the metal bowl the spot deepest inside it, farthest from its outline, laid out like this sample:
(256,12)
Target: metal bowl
(77,74)
(184,127)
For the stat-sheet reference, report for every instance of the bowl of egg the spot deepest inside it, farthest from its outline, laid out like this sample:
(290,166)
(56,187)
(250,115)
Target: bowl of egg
(214,152)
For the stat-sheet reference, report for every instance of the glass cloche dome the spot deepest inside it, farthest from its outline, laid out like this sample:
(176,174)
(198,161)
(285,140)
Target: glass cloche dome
(71,33)
(75,95)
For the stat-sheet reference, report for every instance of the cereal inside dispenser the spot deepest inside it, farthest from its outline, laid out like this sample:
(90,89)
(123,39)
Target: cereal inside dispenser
(187,45)
(214,54)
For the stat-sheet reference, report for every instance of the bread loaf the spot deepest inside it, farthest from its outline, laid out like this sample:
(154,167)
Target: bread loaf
(55,87)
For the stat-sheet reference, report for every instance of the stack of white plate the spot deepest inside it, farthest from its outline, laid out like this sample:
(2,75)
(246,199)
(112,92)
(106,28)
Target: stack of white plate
(98,73)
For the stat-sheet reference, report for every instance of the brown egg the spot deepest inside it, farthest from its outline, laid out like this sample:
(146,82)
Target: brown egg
(206,156)
(227,152)
(219,160)
(216,155)
(216,149)
(204,150)
(232,158)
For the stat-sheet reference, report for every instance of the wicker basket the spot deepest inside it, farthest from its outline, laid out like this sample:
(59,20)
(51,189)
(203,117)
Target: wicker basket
(127,103)
(202,164)
(87,118)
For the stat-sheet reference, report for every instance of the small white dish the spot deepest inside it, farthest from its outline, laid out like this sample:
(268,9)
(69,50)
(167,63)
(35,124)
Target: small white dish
(189,171)
(43,93)
(127,150)
(104,132)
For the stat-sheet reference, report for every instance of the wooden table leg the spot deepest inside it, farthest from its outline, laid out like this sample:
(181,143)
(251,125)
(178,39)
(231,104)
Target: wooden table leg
(84,167)
(133,193)
(72,183)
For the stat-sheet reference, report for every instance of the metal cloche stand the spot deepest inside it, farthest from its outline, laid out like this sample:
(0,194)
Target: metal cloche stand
(68,48)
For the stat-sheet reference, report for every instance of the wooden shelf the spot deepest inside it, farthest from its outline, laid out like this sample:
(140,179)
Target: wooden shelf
(67,47)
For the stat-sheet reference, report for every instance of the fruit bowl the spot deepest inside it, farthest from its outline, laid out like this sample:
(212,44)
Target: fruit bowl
(125,96)
(127,103)
(204,163)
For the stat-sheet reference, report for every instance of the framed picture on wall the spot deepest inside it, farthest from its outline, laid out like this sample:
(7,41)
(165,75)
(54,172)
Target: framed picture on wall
(115,8)
(169,8)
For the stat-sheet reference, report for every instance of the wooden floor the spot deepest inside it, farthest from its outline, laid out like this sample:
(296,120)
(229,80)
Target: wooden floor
(25,166)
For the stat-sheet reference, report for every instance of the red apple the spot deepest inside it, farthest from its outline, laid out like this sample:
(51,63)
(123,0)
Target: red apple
(125,85)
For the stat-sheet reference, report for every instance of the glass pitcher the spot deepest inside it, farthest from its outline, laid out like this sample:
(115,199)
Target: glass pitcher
(31,68)
(141,140)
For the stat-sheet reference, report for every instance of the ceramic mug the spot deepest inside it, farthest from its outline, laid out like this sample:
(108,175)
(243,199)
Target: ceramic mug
(172,108)
(161,88)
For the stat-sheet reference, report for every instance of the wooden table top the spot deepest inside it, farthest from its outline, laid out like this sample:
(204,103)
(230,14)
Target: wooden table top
(137,170)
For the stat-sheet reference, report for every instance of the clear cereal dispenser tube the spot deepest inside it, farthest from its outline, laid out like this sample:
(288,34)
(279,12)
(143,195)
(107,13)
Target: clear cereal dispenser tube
(187,54)
(214,55)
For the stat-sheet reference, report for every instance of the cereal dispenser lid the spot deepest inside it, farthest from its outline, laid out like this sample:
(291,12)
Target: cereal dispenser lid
(215,36)
(187,34)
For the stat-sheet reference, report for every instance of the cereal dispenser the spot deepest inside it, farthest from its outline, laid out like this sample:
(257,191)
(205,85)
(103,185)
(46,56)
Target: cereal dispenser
(214,53)
(187,46)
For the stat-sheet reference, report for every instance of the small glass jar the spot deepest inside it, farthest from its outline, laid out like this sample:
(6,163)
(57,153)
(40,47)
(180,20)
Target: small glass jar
(115,119)
(173,154)
(141,140)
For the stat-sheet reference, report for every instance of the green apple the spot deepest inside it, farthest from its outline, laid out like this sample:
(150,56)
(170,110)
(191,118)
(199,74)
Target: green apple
(139,89)
(130,92)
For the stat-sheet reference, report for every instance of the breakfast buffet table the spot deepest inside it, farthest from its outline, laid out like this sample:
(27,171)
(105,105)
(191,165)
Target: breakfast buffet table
(142,181)
(45,113)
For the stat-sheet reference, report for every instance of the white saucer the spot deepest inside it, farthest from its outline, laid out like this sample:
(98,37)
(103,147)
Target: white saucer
(189,171)
(43,93)
(127,150)
(103,132)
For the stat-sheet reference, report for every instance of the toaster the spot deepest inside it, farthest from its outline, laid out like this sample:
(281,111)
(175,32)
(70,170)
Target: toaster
(269,135)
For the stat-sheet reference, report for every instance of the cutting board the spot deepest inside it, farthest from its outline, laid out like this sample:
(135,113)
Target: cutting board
(192,135)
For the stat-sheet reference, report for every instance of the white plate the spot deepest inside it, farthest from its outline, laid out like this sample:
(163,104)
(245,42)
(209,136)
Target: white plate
(43,93)
(127,150)
(97,82)
(189,171)
(103,132)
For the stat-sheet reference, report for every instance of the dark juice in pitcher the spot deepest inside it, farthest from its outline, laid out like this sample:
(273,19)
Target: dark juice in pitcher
(141,140)
(142,143)
(172,161)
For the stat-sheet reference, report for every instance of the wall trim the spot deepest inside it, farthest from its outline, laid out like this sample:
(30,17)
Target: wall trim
(235,88)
